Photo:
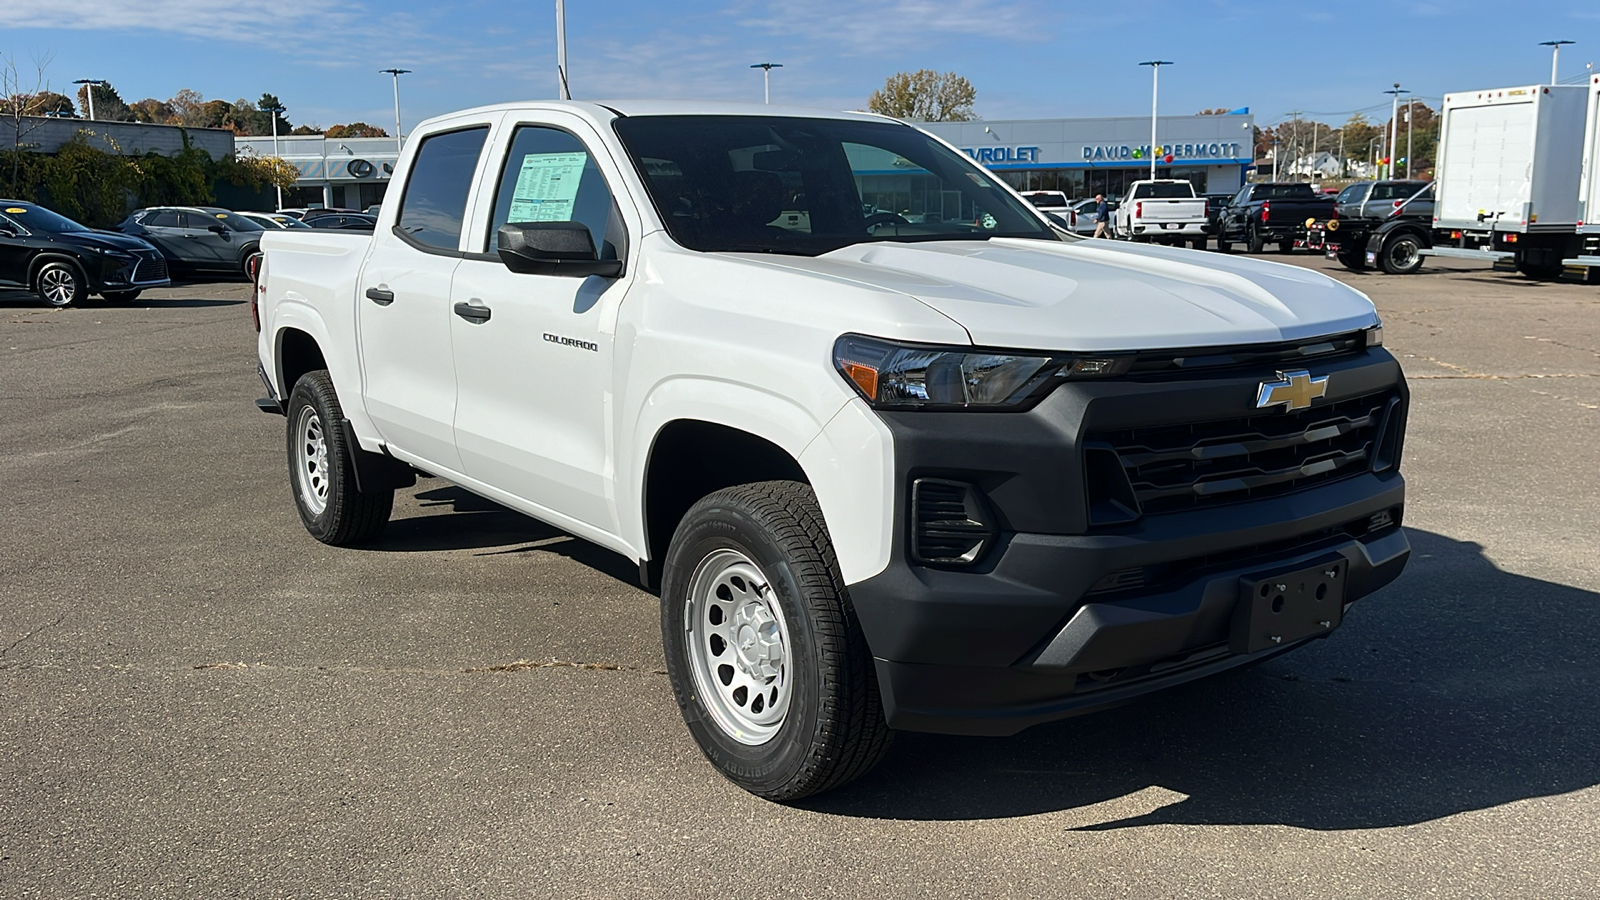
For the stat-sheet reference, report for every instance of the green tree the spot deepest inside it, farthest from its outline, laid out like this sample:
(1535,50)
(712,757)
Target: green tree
(271,101)
(108,104)
(925,96)
(153,111)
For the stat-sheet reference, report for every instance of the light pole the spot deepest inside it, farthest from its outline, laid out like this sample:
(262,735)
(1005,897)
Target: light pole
(399,140)
(1555,57)
(1411,113)
(274,112)
(1155,94)
(90,84)
(1394,123)
(766,79)
(561,51)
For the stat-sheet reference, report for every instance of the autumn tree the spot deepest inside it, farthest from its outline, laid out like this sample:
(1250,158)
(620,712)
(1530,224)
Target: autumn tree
(153,111)
(355,130)
(925,96)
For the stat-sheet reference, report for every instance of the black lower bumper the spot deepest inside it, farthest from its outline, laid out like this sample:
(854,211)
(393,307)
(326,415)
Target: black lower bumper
(1110,652)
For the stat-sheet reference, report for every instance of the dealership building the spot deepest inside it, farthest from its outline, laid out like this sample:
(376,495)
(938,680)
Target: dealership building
(1084,157)
(337,173)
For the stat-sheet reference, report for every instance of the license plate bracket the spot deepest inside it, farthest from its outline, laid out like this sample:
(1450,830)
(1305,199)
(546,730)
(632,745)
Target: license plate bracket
(1283,607)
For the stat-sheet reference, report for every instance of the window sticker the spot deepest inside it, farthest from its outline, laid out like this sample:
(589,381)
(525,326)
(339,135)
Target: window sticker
(547,186)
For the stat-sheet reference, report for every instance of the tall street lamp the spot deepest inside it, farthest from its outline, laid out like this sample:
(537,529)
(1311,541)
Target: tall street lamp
(1555,57)
(1394,123)
(561,51)
(399,140)
(274,112)
(1155,89)
(91,84)
(766,79)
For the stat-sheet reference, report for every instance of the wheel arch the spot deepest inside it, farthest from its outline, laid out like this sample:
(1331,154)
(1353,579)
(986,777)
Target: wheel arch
(297,352)
(43,258)
(689,458)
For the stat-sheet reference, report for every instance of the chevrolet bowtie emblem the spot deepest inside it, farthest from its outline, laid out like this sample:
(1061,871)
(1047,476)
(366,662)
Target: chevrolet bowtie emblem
(1294,392)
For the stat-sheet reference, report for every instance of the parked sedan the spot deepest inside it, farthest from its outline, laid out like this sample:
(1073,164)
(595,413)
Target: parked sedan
(64,262)
(199,237)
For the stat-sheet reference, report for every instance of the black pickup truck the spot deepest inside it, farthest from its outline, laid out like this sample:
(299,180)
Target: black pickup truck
(1270,213)
(1378,223)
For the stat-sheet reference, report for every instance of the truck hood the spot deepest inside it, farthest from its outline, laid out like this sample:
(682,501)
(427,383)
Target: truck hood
(1100,295)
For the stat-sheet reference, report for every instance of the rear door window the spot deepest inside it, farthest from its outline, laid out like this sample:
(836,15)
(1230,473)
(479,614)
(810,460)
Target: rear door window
(161,218)
(435,199)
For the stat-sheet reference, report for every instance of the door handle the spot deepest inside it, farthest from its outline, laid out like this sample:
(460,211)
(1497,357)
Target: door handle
(472,313)
(380,296)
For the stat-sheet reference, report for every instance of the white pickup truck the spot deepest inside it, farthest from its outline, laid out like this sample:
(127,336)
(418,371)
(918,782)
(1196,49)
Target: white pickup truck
(964,474)
(1165,211)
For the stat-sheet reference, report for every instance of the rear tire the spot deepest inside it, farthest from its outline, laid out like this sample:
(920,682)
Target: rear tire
(321,474)
(1539,271)
(1224,246)
(60,285)
(1354,260)
(1286,246)
(767,660)
(1257,241)
(1401,255)
(1199,243)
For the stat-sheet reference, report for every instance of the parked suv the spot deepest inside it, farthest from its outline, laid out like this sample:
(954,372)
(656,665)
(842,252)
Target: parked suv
(64,262)
(199,238)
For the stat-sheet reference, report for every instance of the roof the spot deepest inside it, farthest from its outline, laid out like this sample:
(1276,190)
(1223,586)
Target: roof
(610,109)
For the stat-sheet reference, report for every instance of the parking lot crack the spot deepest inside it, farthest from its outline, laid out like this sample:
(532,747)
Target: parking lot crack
(6,650)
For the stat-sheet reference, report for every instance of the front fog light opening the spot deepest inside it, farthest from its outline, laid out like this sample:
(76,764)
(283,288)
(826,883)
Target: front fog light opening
(951,523)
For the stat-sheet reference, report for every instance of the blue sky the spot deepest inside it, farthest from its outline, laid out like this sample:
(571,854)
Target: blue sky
(1027,58)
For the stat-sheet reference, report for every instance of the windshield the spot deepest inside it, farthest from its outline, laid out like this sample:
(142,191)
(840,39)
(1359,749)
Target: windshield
(42,221)
(1158,191)
(809,186)
(237,222)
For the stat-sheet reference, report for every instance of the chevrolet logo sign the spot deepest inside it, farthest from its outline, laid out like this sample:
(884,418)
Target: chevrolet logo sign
(1293,392)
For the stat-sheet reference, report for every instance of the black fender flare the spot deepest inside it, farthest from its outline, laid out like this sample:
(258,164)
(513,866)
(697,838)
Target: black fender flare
(49,256)
(1382,233)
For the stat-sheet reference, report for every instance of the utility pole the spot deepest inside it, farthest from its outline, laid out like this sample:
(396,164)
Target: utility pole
(766,79)
(1296,141)
(1394,124)
(1555,57)
(399,140)
(273,111)
(89,85)
(1343,169)
(561,50)
(1155,95)
(1411,113)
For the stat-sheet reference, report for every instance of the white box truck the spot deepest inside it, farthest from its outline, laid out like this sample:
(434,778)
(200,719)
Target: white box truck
(1589,199)
(1510,160)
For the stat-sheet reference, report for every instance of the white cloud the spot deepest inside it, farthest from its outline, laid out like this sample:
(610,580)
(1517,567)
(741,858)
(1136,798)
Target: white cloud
(249,22)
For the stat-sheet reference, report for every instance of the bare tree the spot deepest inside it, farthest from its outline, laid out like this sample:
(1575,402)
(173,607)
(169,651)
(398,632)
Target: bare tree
(22,105)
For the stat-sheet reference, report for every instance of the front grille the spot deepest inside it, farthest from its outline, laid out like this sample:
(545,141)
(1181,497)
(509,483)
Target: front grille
(150,270)
(1179,467)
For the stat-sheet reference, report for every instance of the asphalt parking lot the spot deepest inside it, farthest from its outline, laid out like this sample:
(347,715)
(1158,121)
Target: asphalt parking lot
(201,701)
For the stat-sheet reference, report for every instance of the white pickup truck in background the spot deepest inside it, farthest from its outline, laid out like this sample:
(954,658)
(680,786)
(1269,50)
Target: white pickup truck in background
(962,474)
(1164,211)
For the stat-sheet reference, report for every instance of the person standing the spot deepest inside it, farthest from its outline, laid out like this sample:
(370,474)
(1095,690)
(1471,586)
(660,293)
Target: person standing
(1102,216)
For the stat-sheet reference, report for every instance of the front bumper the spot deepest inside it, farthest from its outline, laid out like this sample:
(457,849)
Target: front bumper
(1062,616)
(129,273)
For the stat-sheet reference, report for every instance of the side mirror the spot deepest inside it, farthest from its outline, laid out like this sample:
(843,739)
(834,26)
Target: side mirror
(217,229)
(5,231)
(553,248)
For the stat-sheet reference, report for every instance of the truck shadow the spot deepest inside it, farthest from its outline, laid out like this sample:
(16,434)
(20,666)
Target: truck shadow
(474,523)
(1460,687)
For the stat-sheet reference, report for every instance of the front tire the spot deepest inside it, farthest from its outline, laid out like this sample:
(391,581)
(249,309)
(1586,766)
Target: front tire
(1401,255)
(321,474)
(1354,260)
(60,285)
(1286,246)
(120,296)
(767,660)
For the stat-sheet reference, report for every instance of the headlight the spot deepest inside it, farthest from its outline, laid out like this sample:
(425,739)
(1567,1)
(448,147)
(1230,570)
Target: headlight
(107,251)
(911,376)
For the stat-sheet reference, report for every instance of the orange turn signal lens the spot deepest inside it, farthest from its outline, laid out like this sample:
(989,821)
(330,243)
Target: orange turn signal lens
(865,377)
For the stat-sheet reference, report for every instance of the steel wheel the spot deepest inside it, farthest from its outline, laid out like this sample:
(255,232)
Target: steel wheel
(58,286)
(311,461)
(738,647)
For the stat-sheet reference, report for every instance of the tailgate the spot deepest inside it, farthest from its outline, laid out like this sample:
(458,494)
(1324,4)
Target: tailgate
(1178,210)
